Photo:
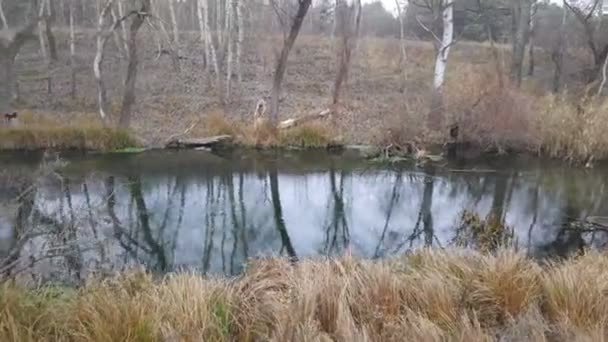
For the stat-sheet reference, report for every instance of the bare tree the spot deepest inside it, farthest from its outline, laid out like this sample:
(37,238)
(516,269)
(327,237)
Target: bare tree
(281,63)
(72,50)
(103,34)
(401,14)
(558,52)
(349,22)
(171,4)
(128,100)
(531,40)
(445,28)
(11,42)
(584,12)
(240,38)
(137,16)
(3,16)
(521,33)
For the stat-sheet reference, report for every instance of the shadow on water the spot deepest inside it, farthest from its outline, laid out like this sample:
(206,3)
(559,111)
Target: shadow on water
(195,210)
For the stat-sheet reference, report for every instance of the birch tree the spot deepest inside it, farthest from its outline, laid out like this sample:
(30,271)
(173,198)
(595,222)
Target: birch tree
(445,29)
(281,62)
(441,61)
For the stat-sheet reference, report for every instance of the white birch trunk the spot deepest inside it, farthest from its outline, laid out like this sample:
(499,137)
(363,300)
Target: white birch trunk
(230,5)
(42,28)
(203,29)
(210,44)
(240,39)
(123,28)
(441,61)
(175,26)
(102,39)
(3,17)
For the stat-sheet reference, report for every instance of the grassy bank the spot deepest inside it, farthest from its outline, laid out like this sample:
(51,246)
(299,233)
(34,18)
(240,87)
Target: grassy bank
(36,131)
(426,296)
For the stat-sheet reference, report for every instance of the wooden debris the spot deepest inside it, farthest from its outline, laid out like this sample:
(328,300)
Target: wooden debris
(210,142)
(298,121)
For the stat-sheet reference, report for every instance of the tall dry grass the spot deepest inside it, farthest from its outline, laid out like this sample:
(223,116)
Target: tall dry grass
(306,135)
(428,295)
(34,131)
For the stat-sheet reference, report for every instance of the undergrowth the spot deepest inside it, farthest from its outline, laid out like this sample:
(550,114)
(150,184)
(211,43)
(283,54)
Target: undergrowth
(428,295)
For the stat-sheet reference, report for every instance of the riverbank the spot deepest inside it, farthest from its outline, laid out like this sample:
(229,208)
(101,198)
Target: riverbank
(428,295)
(550,126)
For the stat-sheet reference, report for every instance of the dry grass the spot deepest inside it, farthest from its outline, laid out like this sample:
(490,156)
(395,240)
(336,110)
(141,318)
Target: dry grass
(429,295)
(307,135)
(35,131)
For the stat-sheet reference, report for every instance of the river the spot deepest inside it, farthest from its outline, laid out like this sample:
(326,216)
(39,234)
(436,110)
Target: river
(169,210)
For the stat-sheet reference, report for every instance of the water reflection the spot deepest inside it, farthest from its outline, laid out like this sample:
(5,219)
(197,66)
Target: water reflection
(194,210)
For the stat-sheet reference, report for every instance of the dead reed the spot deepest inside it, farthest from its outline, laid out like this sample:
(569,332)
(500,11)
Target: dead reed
(428,295)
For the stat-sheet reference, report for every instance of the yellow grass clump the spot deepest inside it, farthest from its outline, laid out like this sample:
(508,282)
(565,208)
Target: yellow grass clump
(34,131)
(428,295)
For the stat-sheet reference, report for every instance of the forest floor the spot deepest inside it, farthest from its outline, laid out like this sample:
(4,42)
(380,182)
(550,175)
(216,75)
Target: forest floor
(428,295)
(384,102)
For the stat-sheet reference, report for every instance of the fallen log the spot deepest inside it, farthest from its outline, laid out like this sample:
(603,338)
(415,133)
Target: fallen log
(290,123)
(209,143)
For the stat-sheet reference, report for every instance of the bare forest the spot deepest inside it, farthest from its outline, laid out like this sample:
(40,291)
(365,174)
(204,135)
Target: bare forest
(512,75)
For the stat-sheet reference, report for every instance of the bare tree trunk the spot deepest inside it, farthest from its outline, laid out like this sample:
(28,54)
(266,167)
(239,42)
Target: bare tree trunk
(102,39)
(435,117)
(522,28)
(123,29)
(50,37)
(600,19)
(531,61)
(603,82)
(7,75)
(349,20)
(558,53)
(128,99)
(400,13)
(240,39)
(41,28)
(230,6)
(8,51)
(171,5)
(212,50)
(118,41)
(3,17)
(72,51)
(202,22)
(281,66)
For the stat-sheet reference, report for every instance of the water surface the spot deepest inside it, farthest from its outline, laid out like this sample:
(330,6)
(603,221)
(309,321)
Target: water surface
(196,210)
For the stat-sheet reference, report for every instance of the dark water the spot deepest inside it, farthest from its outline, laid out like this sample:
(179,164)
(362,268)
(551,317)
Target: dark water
(172,210)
